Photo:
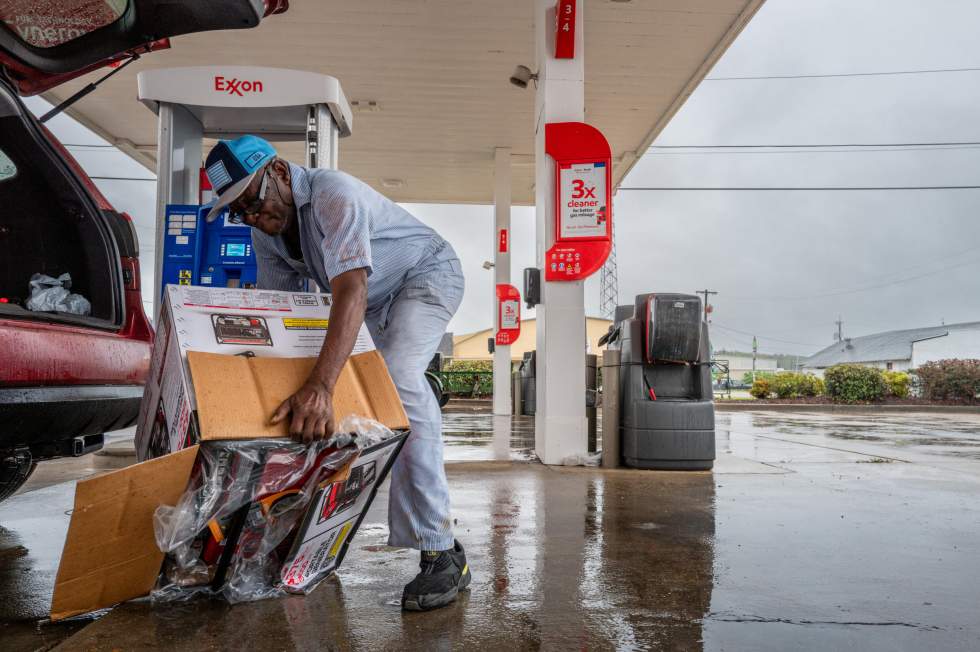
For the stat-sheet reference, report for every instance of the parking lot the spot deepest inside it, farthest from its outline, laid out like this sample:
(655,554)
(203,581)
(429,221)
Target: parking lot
(816,530)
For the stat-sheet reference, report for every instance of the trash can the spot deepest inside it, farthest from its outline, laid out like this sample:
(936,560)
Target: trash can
(667,417)
(529,395)
(591,399)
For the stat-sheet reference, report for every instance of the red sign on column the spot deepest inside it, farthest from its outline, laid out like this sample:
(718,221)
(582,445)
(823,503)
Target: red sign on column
(508,314)
(502,241)
(565,29)
(583,201)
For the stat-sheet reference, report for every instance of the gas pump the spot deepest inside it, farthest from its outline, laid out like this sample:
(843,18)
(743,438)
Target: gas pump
(198,252)
(226,102)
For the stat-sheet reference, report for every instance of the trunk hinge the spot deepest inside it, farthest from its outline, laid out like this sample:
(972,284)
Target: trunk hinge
(85,91)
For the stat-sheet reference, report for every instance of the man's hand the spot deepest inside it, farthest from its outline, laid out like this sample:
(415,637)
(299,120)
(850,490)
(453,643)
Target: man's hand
(312,405)
(312,410)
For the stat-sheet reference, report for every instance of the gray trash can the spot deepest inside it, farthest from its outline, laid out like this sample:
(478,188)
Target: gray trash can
(529,394)
(666,404)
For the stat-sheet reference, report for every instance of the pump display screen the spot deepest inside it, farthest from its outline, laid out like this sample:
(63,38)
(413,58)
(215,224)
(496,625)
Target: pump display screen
(235,249)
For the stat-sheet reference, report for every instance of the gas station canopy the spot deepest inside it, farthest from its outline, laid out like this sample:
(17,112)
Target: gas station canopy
(428,82)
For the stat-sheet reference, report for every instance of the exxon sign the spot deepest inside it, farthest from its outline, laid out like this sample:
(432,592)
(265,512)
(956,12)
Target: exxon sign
(236,86)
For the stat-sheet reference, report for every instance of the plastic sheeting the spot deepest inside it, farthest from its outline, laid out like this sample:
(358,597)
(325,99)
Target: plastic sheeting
(49,294)
(254,494)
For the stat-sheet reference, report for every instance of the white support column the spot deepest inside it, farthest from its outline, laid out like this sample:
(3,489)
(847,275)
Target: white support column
(327,139)
(560,423)
(179,158)
(501,274)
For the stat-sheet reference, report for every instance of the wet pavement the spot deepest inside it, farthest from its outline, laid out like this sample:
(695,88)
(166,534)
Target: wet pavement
(816,531)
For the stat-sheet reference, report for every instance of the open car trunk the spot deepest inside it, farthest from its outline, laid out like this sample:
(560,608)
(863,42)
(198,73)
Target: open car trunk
(50,225)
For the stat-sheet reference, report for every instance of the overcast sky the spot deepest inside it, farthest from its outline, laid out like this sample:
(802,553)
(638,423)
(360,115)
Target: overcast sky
(785,264)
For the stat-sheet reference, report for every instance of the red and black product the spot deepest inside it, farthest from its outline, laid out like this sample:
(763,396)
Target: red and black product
(241,329)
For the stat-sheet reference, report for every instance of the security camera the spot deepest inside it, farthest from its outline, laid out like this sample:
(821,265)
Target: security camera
(488,265)
(521,76)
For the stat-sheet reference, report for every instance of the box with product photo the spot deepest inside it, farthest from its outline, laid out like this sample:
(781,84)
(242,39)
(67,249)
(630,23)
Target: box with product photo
(229,321)
(223,502)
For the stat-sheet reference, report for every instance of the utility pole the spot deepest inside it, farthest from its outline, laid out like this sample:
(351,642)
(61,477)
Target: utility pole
(840,329)
(609,287)
(755,349)
(706,293)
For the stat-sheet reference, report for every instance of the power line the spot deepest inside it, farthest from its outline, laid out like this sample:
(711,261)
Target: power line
(807,145)
(886,73)
(764,337)
(857,290)
(863,150)
(834,148)
(793,188)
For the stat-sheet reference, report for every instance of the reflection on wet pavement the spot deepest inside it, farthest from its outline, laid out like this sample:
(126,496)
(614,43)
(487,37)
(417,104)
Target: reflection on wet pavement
(475,436)
(800,540)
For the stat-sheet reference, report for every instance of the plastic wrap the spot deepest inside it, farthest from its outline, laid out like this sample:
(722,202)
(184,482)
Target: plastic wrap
(582,459)
(49,294)
(361,432)
(252,492)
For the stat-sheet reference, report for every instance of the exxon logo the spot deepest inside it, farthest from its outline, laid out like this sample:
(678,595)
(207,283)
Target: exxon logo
(235,86)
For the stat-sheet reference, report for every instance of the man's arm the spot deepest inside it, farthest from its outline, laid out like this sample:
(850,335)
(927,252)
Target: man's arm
(312,405)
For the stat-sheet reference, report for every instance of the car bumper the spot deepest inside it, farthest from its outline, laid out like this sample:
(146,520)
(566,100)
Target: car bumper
(61,421)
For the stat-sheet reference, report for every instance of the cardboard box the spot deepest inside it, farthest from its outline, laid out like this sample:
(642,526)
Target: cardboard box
(110,554)
(254,323)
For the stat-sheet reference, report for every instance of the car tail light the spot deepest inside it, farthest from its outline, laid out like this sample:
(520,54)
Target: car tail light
(132,230)
(275,7)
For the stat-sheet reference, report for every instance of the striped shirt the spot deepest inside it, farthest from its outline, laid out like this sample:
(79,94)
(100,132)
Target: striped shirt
(345,224)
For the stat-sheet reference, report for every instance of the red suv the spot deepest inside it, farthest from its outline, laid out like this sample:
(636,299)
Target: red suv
(68,377)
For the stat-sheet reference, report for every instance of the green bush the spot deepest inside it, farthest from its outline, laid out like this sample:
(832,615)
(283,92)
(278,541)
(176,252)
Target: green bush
(819,387)
(468,377)
(747,378)
(761,388)
(950,379)
(851,383)
(897,383)
(785,385)
(790,384)
(468,365)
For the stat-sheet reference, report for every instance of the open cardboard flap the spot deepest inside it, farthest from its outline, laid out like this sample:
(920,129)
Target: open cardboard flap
(236,396)
(111,553)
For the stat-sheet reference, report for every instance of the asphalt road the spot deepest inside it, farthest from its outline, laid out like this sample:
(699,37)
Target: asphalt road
(815,531)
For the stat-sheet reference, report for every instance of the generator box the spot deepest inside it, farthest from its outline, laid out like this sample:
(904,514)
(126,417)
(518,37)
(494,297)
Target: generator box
(224,502)
(229,321)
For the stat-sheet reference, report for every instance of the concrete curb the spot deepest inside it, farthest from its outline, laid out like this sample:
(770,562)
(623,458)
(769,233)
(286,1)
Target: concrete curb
(752,406)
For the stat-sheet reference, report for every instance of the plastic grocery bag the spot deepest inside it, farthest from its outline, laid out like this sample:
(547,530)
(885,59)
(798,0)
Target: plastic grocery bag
(254,494)
(49,294)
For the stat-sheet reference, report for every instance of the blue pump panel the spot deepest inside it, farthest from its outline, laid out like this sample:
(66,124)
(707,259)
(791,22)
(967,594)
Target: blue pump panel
(200,253)
(180,245)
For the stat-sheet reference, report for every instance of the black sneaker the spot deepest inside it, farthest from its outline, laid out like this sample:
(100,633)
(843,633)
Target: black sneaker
(444,573)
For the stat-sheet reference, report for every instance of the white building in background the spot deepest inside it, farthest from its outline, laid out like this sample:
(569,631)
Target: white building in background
(740,362)
(901,350)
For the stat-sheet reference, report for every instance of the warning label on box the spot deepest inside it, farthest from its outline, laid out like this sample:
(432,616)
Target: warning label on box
(301,324)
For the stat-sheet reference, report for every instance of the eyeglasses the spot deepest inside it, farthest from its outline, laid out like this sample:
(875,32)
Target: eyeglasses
(238,216)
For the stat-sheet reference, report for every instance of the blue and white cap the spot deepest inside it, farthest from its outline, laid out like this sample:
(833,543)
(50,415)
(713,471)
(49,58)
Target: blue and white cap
(232,165)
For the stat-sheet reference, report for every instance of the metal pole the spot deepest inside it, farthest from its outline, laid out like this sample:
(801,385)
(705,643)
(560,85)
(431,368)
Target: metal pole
(502,367)
(705,292)
(610,408)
